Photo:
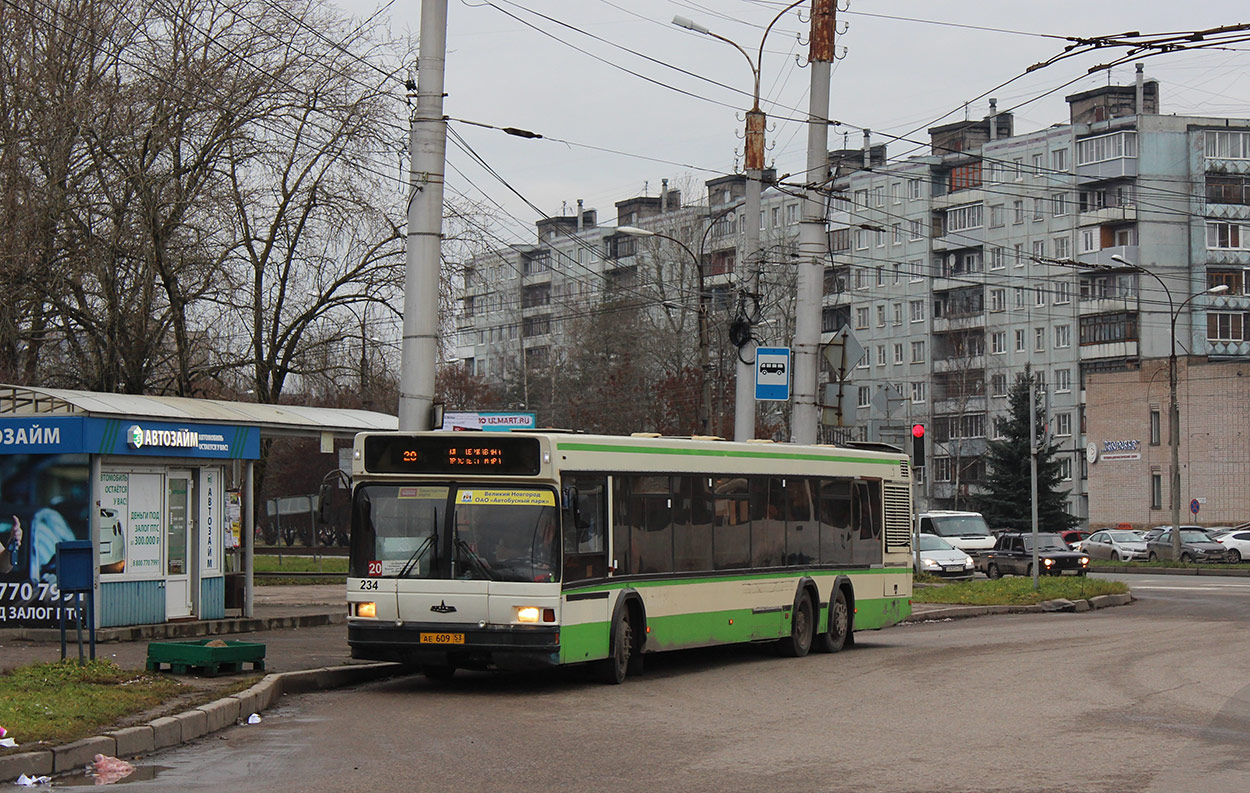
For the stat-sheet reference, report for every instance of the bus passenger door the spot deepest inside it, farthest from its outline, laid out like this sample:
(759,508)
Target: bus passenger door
(585,616)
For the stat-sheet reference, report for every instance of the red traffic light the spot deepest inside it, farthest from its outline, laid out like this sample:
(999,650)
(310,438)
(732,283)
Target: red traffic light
(917,430)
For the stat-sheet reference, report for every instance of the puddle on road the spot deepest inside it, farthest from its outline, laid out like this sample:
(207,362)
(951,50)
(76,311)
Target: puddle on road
(142,773)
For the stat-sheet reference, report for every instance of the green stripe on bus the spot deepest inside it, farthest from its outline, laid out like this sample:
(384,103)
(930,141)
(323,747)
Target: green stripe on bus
(589,641)
(616,448)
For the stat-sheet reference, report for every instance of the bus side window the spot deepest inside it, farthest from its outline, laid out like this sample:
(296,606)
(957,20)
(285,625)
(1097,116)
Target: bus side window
(585,527)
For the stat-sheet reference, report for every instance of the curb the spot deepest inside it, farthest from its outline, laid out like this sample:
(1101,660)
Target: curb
(940,612)
(191,724)
(182,630)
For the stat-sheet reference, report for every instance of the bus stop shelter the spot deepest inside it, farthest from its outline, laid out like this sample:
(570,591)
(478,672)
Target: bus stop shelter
(153,483)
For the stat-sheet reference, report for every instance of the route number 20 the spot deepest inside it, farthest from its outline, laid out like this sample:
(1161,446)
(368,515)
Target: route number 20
(375,567)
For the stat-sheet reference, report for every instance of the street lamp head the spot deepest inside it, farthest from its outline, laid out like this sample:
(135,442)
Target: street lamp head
(690,24)
(634,231)
(1115,257)
(1218,290)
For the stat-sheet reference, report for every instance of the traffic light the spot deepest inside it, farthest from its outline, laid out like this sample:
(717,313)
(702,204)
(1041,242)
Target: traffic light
(917,445)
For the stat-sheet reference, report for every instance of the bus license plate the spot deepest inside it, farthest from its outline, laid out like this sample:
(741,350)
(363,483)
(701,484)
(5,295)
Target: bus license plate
(442,638)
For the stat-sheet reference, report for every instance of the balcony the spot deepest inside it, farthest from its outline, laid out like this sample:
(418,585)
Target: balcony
(1107,305)
(1117,168)
(958,198)
(1097,217)
(1103,257)
(958,363)
(958,322)
(954,240)
(1114,349)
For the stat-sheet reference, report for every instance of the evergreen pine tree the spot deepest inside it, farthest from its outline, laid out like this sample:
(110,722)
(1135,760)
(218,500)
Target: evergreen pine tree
(1007,501)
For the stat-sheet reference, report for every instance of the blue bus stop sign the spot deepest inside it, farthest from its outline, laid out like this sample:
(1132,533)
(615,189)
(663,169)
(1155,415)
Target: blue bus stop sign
(772,374)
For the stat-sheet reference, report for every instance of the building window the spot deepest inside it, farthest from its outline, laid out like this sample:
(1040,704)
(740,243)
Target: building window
(861,318)
(897,228)
(917,352)
(915,229)
(913,188)
(861,198)
(918,392)
(1063,336)
(792,214)
(1018,166)
(1019,340)
(1225,326)
(1059,160)
(1108,328)
(1063,380)
(880,355)
(1063,425)
(1226,236)
(998,259)
(1039,339)
(1156,490)
(964,217)
(898,272)
(1038,212)
(879,237)
(898,354)
(941,469)
(917,271)
(898,313)
(1018,249)
(1019,295)
(1039,164)
(1039,296)
(998,342)
(1017,211)
(896,193)
(1039,249)
(861,279)
(1065,469)
(1233,279)
(998,299)
(1155,427)
(1063,293)
(1106,147)
(916,309)
(862,398)
(996,215)
(881,314)
(1228,145)
(998,385)
(1059,204)
(1063,248)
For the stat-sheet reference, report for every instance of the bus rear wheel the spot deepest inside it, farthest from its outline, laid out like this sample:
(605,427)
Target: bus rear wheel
(839,633)
(802,630)
(616,666)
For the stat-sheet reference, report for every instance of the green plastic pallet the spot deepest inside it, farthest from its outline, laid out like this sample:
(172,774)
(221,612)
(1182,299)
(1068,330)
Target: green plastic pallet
(185,657)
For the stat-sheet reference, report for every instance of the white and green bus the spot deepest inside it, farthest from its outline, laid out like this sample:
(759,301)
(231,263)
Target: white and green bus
(524,550)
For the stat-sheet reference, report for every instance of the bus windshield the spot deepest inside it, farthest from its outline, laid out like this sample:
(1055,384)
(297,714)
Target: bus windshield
(494,533)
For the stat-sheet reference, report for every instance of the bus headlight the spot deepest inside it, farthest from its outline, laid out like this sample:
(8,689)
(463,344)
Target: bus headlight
(369,610)
(533,614)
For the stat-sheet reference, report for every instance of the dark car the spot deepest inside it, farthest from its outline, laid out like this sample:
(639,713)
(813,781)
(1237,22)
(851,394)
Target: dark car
(1013,553)
(1196,546)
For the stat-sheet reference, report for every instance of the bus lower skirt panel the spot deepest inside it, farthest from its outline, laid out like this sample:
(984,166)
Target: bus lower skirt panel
(483,648)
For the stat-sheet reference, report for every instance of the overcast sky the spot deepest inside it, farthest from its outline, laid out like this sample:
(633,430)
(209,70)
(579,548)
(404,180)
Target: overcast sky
(510,67)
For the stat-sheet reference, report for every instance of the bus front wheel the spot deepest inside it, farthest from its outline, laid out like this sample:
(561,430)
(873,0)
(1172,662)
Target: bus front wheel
(839,633)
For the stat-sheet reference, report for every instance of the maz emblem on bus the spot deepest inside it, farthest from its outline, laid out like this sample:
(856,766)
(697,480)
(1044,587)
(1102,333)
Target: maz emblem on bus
(442,608)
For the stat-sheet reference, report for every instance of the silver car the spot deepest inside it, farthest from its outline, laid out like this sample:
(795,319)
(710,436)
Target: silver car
(938,557)
(1117,545)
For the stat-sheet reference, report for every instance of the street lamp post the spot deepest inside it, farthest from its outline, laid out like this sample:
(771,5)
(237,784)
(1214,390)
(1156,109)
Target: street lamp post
(1174,411)
(753,160)
(705,365)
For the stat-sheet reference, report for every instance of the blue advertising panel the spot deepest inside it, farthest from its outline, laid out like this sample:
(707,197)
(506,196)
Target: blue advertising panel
(78,434)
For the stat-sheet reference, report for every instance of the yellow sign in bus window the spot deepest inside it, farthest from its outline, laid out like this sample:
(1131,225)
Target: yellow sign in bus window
(511,498)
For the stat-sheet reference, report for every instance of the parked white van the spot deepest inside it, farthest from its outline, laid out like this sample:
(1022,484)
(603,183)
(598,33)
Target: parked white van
(966,531)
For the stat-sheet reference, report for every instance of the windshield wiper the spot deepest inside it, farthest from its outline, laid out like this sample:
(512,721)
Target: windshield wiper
(473,557)
(416,555)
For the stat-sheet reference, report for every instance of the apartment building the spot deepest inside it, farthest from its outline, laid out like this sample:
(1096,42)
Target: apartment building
(996,251)
(518,307)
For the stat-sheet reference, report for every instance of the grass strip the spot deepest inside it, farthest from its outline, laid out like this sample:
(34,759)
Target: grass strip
(1015,590)
(63,701)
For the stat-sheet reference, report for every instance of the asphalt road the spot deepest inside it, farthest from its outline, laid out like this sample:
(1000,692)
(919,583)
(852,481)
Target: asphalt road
(1137,698)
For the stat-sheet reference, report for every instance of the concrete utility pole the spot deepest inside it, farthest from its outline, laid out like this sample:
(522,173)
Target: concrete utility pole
(427,147)
(812,243)
(1033,469)
(744,391)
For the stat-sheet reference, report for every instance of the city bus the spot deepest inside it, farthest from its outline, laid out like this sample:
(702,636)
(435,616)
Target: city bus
(524,550)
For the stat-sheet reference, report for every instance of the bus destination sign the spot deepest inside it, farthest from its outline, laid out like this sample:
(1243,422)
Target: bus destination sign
(409,454)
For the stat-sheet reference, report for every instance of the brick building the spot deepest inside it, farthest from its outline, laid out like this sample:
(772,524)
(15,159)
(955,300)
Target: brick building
(1127,452)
